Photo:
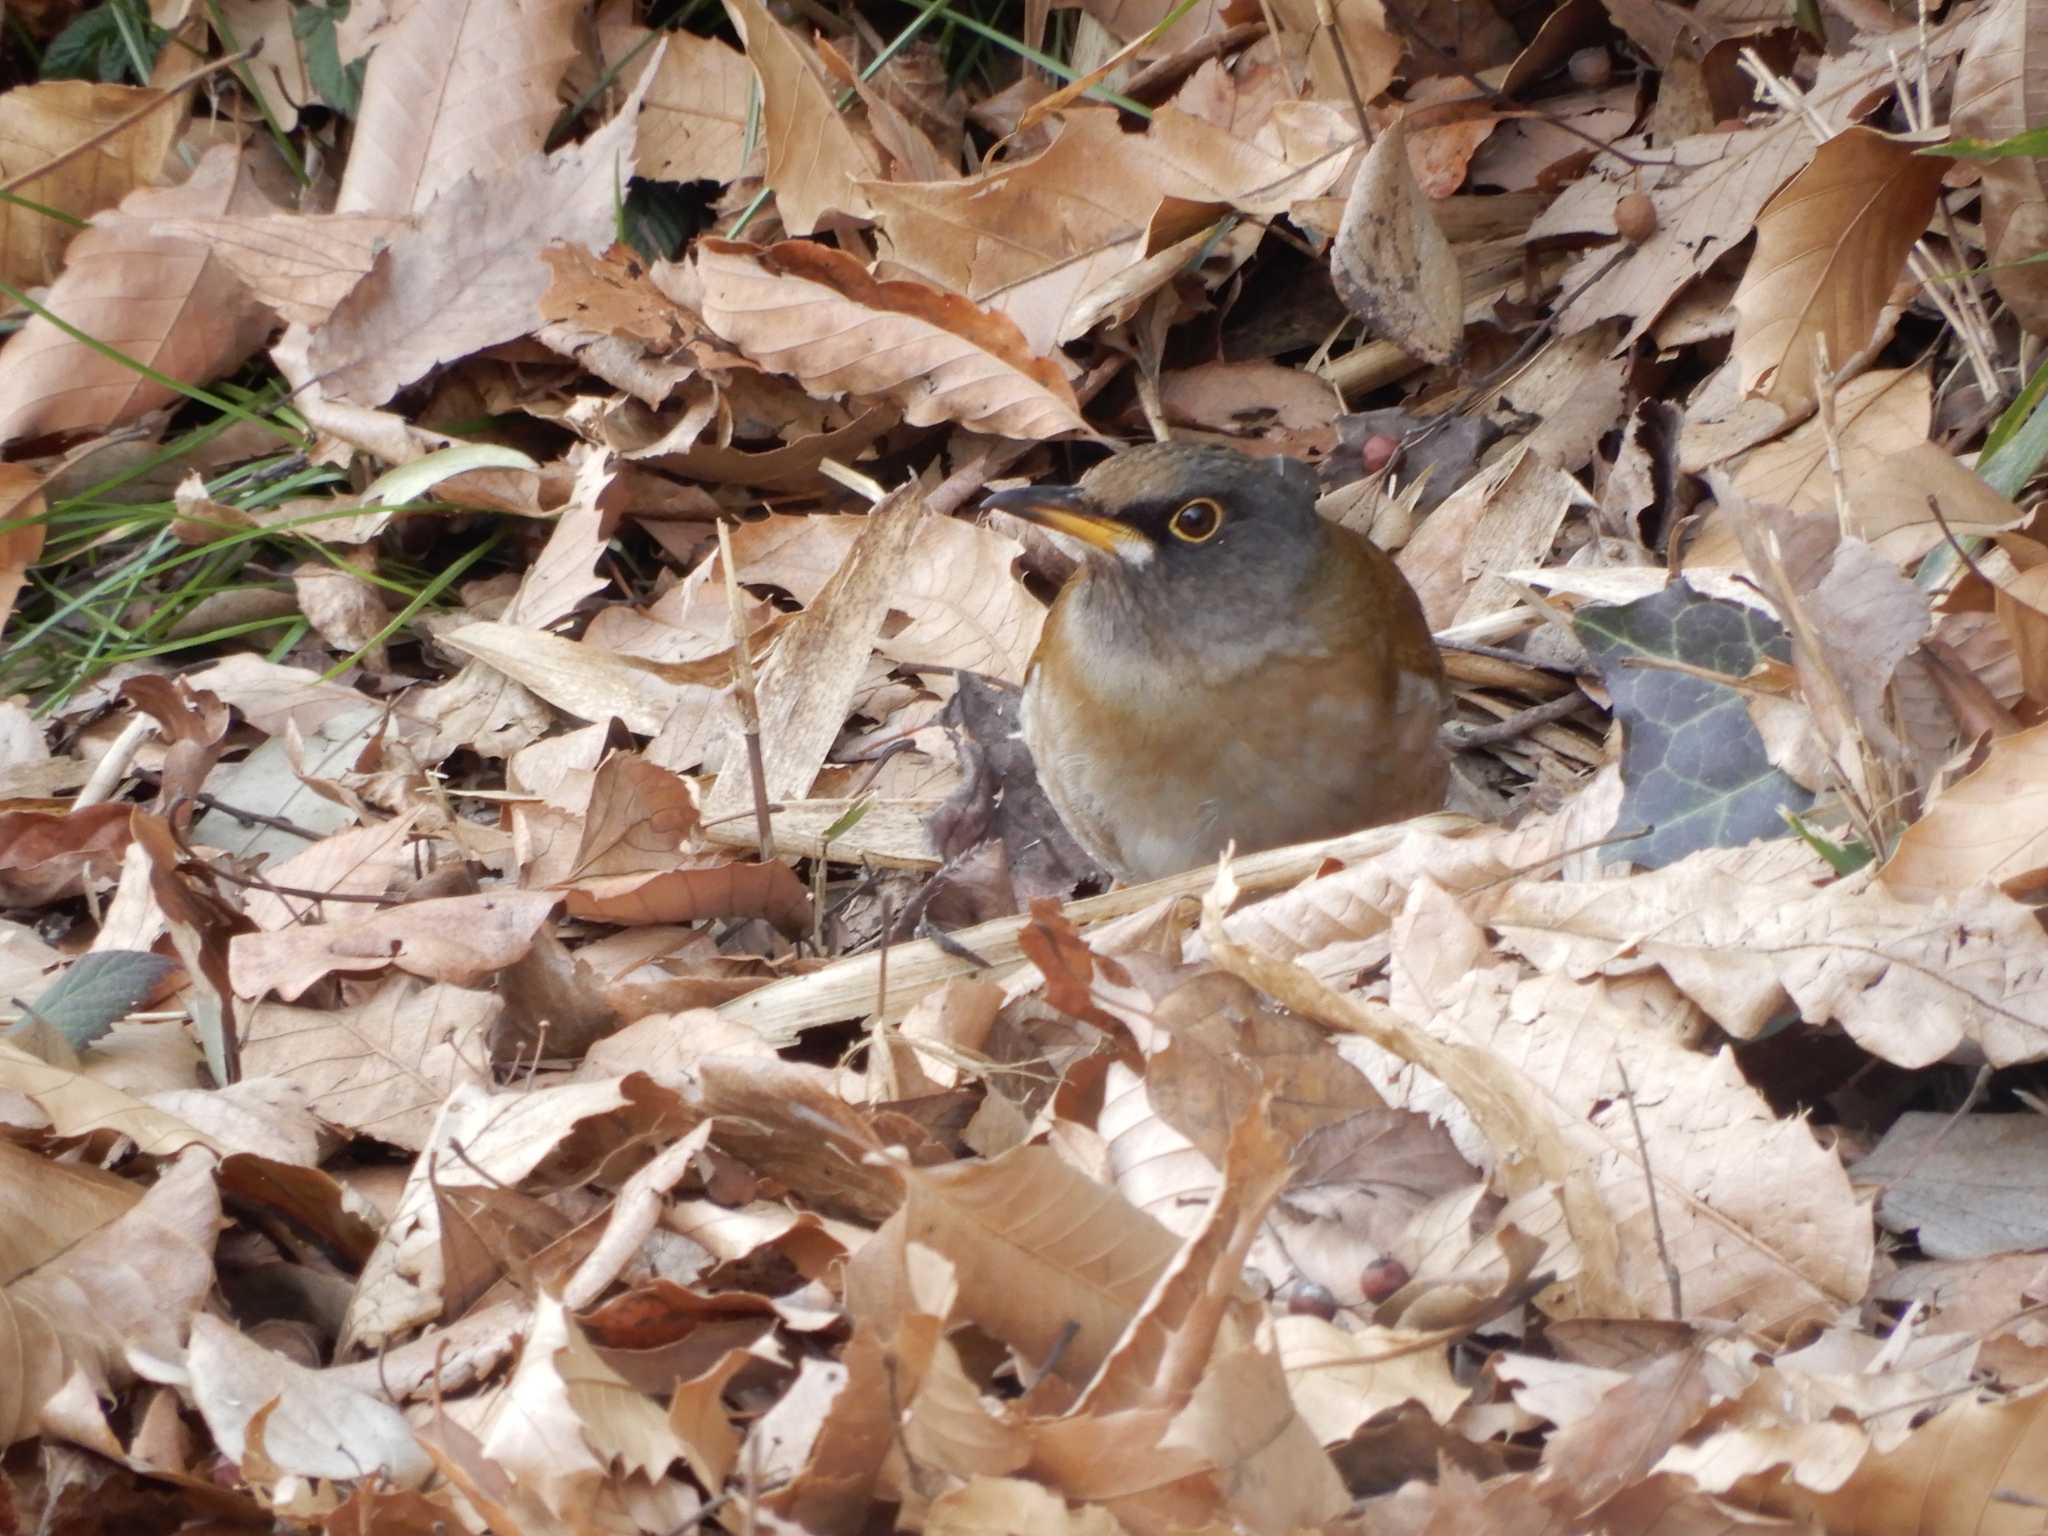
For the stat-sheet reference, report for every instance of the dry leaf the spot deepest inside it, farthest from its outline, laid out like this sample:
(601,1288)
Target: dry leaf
(1391,263)
(456,89)
(39,122)
(1980,831)
(1829,247)
(816,159)
(166,302)
(804,309)
(469,271)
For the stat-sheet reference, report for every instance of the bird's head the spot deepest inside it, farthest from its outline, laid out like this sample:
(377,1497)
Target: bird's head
(1194,532)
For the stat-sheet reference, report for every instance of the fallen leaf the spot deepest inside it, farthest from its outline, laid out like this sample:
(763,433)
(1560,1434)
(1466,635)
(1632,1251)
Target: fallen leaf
(168,303)
(804,309)
(1391,263)
(1829,247)
(816,161)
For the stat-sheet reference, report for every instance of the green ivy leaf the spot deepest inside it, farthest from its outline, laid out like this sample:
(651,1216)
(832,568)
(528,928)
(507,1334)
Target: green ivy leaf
(1693,768)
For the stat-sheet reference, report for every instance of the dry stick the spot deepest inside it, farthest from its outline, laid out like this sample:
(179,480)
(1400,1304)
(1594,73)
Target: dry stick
(1918,111)
(1962,554)
(1650,1182)
(112,767)
(1326,13)
(746,697)
(1171,71)
(1470,739)
(128,120)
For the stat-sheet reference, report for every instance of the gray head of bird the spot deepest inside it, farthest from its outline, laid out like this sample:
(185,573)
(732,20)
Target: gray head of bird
(1184,535)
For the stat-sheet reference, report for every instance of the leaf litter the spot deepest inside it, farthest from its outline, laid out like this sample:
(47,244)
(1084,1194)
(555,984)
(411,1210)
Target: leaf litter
(545,995)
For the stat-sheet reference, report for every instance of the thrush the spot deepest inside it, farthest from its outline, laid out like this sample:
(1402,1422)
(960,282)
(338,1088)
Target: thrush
(1225,666)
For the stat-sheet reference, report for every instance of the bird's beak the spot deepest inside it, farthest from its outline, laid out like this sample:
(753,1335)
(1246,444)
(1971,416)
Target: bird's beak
(1062,509)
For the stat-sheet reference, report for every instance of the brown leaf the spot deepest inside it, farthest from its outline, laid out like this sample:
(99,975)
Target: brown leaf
(382,1066)
(457,939)
(39,122)
(1355,29)
(694,126)
(1980,830)
(816,160)
(1911,982)
(810,311)
(303,1421)
(1829,247)
(809,681)
(299,264)
(166,302)
(1043,240)
(1391,263)
(21,545)
(456,89)
(1707,189)
(469,273)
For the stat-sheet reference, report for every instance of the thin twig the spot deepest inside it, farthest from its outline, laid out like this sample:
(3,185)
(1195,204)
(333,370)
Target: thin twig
(128,119)
(1163,75)
(1326,13)
(1471,738)
(256,818)
(745,696)
(1824,406)
(1650,1182)
(1962,554)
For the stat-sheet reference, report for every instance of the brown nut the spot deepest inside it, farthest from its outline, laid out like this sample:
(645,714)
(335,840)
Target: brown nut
(1635,218)
(1590,68)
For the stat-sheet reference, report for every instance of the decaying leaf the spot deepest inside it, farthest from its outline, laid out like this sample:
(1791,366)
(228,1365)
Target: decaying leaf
(1391,263)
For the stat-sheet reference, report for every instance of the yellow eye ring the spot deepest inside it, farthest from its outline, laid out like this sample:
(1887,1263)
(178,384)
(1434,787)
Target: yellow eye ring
(1197,522)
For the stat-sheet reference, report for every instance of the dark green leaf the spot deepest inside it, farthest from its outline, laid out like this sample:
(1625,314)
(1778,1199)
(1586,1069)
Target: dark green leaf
(96,45)
(1693,770)
(340,85)
(98,989)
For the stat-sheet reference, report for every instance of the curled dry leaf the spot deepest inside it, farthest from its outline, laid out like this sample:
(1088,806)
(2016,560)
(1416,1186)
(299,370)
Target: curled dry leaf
(806,310)
(816,158)
(1829,247)
(1392,265)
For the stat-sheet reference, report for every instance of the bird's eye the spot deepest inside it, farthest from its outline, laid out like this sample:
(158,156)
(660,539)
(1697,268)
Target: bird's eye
(1197,522)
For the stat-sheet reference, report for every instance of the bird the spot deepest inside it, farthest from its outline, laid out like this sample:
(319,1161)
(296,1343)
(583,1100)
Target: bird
(1225,667)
